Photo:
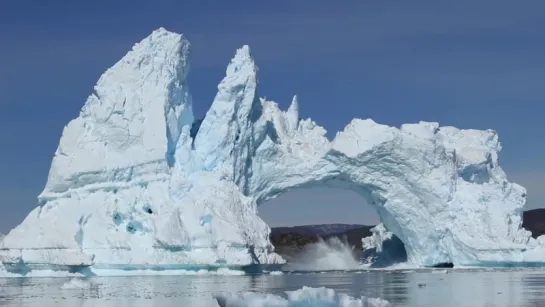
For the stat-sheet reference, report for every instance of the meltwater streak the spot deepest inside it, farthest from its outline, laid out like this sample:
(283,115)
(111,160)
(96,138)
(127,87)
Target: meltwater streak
(329,255)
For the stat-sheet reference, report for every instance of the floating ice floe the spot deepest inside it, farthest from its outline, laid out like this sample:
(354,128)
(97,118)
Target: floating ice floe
(301,298)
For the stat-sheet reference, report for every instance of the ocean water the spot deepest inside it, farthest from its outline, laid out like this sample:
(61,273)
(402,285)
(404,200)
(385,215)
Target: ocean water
(437,287)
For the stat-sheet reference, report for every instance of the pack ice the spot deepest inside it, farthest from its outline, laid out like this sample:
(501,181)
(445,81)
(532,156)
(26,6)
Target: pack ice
(137,181)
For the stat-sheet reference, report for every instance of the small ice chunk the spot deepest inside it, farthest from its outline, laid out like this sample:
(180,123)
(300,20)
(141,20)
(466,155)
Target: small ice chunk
(76,283)
(303,297)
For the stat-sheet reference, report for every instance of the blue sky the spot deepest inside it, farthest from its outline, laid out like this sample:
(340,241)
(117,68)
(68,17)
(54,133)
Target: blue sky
(471,64)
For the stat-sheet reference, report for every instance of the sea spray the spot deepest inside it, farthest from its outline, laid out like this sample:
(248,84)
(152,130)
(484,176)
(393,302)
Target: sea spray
(325,255)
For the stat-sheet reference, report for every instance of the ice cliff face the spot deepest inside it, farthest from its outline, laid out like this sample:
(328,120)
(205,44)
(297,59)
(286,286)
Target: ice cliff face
(134,182)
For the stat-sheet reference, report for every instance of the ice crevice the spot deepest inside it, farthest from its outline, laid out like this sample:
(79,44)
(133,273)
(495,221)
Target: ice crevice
(440,190)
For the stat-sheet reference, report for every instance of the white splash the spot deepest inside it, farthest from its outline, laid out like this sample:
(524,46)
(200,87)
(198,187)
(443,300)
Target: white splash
(329,255)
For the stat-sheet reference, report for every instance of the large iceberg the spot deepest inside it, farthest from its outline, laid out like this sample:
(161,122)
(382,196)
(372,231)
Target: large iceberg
(137,181)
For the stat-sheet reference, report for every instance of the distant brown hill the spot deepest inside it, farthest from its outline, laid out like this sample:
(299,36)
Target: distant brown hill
(317,230)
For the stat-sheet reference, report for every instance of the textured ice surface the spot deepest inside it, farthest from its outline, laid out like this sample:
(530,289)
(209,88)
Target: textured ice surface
(382,248)
(303,297)
(137,182)
(379,234)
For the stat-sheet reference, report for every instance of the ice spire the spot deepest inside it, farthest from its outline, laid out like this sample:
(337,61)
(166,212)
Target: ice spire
(292,114)
(235,107)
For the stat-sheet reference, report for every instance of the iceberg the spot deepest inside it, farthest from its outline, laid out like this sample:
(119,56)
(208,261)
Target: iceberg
(76,284)
(137,182)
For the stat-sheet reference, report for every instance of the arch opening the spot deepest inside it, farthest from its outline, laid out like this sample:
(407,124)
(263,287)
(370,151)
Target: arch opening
(326,221)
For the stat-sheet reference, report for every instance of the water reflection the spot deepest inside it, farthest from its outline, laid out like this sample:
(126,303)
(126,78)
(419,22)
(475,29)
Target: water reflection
(437,288)
(533,290)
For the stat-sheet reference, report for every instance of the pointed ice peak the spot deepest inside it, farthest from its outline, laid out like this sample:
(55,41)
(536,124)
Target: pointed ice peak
(160,58)
(162,39)
(242,63)
(242,54)
(294,106)
(231,117)
(292,115)
(137,109)
(161,30)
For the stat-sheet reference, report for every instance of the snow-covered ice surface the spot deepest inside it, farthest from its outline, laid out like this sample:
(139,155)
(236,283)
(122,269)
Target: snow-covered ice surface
(136,184)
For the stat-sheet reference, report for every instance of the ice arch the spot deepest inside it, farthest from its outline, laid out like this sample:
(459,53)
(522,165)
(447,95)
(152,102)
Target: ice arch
(136,181)
(326,204)
(439,189)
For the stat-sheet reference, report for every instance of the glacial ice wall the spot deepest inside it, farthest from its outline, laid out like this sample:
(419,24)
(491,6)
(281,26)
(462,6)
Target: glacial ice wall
(135,183)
